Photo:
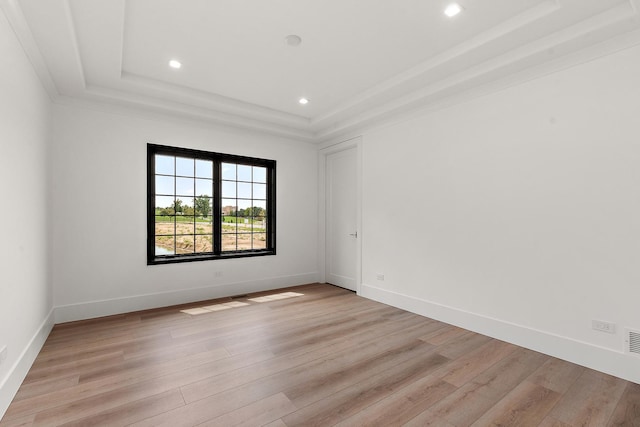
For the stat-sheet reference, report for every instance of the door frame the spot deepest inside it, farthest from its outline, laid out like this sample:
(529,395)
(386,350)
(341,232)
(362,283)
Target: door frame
(322,206)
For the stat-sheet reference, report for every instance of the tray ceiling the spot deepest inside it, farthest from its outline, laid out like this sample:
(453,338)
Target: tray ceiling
(359,62)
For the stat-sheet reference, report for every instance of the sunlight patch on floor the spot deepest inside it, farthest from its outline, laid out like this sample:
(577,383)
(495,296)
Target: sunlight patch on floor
(275,297)
(235,304)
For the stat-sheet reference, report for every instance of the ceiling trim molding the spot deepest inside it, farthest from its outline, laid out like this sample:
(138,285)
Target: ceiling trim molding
(216,102)
(426,94)
(525,18)
(614,29)
(591,53)
(76,47)
(17,20)
(117,98)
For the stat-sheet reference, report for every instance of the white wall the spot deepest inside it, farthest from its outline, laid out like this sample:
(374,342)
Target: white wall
(25,287)
(99,215)
(516,214)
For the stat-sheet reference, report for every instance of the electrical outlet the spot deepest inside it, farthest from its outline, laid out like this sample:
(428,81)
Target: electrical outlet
(602,326)
(3,354)
(380,276)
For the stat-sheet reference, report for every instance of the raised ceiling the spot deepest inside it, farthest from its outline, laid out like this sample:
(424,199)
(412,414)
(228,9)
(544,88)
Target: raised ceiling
(360,61)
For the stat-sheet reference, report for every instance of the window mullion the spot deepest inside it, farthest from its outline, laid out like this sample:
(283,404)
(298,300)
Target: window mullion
(217,206)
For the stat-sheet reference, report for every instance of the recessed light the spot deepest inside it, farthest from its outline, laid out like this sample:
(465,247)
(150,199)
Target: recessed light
(175,64)
(303,101)
(452,10)
(293,40)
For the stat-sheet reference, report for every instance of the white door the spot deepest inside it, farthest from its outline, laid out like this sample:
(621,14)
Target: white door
(341,215)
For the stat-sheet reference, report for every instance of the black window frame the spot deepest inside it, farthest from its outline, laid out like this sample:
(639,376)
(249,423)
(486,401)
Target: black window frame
(218,159)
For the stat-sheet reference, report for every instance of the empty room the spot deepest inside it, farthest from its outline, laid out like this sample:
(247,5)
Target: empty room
(318,213)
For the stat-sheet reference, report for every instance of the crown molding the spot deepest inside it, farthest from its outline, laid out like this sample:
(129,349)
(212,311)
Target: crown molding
(504,29)
(488,73)
(603,49)
(412,91)
(115,99)
(16,19)
(216,102)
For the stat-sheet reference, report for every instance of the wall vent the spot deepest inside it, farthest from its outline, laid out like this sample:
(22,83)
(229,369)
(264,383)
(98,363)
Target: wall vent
(633,342)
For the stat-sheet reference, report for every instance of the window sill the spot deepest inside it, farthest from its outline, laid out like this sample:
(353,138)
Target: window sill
(174,259)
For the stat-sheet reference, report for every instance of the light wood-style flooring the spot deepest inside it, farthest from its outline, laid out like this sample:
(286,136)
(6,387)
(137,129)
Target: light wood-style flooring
(322,358)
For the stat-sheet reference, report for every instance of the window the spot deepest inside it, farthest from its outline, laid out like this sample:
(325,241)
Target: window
(203,205)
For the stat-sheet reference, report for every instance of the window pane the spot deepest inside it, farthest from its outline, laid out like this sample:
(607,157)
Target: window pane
(244,190)
(244,173)
(259,191)
(203,227)
(164,205)
(229,242)
(185,225)
(164,164)
(204,169)
(185,244)
(243,205)
(204,244)
(204,187)
(259,174)
(244,241)
(229,207)
(259,224)
(165,245)
(229,171)
(228,189)
(229,224)
(204,207)
(165,226)
(184,166)
(259,241)
(184,206)
(164,184)
(184,186)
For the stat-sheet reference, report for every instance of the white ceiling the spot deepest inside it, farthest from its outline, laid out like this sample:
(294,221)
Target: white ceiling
(360,61)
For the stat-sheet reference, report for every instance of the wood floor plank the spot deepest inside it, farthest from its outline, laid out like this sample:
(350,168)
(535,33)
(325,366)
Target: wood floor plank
(591,400)
(556,375)
(444,335)
(472,364)
(359,396)
(71,367)
(504,376)
(552,422)
(262,412)
(627,412)
(463,406)
(401,405)
(526,405)
(330,379)
(322,357)
(142,384)
(462,345)
(130,412)
(307,355)
(469,402)
(426,419)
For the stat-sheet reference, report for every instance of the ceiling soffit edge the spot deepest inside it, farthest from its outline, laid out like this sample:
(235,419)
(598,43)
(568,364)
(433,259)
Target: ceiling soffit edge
(406,111)
(18,22)
(357,113)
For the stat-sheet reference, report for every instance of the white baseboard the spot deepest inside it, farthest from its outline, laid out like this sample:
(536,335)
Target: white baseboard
(11,382)
(606,360)
(93,309)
